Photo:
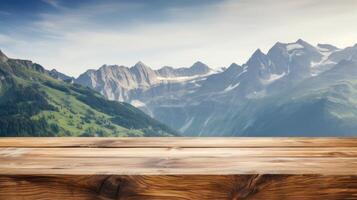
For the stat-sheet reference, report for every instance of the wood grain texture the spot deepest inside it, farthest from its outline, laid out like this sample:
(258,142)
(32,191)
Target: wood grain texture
(195,187)
(182,161)
(178,168)
(176,142)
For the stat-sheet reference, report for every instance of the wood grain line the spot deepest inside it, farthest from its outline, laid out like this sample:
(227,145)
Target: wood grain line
(189,161)
(177,142)
(178,187)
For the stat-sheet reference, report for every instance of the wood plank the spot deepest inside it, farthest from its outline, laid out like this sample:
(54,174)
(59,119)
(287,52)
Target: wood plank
(178,168)
(164,161)
(178,187)
(177,142)
(189,166)
(326,152)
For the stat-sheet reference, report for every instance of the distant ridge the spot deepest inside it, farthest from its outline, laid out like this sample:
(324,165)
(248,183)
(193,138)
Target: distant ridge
(294,89)
(296,80)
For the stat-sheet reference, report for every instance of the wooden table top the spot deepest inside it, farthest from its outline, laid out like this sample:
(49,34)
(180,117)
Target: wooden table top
(177,156)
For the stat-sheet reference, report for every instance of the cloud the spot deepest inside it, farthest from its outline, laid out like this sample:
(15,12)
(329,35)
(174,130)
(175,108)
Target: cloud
(53,3)
(120,32)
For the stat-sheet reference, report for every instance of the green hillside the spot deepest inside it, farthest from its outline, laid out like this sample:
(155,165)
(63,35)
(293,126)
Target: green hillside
(32,103)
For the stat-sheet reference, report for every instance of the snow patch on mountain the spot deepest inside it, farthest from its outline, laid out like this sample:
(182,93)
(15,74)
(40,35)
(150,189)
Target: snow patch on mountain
(187,125)
(245,69)
(322,65)
(324,59)
(185,78)
(137,103)
(272,78)
(231,87)
(294,46)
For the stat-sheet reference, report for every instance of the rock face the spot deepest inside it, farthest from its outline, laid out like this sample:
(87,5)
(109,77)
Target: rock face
(123,83)
(3,57)
(290,90)
(197,68)
(60,76)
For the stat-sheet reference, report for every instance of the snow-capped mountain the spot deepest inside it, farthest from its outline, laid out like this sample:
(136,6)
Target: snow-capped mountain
(127,84)
(241,99)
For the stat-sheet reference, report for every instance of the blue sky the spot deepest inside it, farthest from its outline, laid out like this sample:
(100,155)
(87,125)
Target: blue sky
(75,35)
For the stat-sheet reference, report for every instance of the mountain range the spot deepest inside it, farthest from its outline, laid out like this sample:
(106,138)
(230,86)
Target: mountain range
(295,89)
(38,102)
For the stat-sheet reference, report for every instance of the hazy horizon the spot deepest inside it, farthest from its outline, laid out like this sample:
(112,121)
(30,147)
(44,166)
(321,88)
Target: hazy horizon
(73,36)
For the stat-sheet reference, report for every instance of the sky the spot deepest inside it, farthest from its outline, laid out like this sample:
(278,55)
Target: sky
(76,35)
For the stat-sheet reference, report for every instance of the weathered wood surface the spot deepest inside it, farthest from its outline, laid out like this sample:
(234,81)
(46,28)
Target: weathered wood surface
(178,187)
(172,161)
(183,142)
(178,168)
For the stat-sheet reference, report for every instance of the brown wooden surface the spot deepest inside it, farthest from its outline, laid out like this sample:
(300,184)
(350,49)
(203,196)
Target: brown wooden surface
(178,168)
(179,187)
(184,142)
(172,161)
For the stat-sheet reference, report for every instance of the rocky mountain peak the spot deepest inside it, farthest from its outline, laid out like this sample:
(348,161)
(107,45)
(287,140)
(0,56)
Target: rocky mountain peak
(166,71)
(283,48)
(258,53)
(198,68)
(140,64)
(257,57)
(234,65)
(303,43)
(300,41)
(143,73)
(233,69)
(60,76)
(200,65)
(141,68)
(279,50)
(306,45)
(278,45)
(102,68)
(166,68)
